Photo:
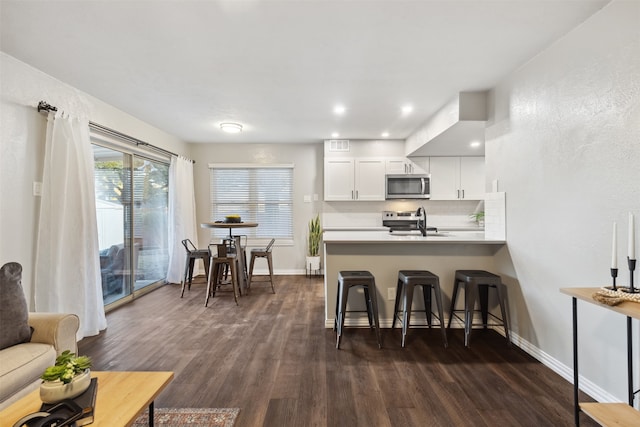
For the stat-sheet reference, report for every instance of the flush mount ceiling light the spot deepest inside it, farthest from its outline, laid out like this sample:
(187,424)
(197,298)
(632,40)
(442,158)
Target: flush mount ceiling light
(230,127)
(339,109)
(335,135)
(407,109)
(385,134)
(475,144)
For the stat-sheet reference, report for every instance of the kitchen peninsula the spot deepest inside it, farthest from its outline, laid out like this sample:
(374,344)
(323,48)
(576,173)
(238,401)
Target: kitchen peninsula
(383,254)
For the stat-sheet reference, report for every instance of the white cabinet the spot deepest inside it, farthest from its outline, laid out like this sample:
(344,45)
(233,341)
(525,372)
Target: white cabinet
(354,179)
(401,166)
(472,178)
(370,181)
(457,178)
(339,179)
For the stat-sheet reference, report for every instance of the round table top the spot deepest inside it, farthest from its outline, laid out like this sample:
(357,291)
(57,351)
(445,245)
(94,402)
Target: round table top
(228,224)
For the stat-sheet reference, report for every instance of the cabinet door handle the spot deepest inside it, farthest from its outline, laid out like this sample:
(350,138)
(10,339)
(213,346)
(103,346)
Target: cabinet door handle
(352,194)
(457,194)
(356,194)
(463,194)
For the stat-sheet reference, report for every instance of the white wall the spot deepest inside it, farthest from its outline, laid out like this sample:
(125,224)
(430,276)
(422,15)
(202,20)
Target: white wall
(563,141)
(307,180)
(22,134)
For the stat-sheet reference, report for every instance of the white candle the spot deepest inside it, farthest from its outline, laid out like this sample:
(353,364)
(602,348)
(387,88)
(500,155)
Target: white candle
(632,237)
(614,247)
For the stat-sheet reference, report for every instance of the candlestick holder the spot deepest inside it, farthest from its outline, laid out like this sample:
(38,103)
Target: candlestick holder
(632,266)
(614,275)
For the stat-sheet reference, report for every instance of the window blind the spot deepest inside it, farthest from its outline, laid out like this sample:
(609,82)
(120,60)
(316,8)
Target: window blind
(261,194)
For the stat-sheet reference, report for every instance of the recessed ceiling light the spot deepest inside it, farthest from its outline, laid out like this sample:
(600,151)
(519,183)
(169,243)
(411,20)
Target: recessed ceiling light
(475,144)
(407,109)
(385,134)
(230,127)
(339,109)
(335,135)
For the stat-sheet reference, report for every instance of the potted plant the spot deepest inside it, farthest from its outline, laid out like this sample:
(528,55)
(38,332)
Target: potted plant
(478,217)
(68,378)
(313,244)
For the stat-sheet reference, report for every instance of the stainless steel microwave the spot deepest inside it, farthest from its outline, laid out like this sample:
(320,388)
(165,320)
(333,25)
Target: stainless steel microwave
(407,186)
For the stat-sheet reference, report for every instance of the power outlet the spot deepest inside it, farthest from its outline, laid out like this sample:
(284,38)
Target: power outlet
(391,294)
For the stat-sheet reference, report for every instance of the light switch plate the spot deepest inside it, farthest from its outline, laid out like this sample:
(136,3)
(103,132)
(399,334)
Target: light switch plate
(37,188)
(391,294)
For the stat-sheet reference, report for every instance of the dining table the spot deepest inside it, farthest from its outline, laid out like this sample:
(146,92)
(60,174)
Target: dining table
(229,225)
(242,258)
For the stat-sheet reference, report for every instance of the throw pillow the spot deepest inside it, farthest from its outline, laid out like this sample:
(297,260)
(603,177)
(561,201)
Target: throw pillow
(14,314)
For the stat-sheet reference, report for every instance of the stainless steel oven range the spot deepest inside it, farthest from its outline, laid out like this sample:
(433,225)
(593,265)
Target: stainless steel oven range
(407,222)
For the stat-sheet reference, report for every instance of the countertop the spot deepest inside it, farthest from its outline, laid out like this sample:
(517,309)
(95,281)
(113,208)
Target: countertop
(446,237)
(381,228)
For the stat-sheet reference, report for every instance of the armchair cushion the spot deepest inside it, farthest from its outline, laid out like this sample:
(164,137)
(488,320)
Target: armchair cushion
(14,326)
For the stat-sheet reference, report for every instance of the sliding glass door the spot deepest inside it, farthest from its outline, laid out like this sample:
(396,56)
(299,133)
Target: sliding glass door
(131,207)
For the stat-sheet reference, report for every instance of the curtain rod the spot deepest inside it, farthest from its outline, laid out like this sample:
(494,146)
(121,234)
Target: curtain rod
(45,106)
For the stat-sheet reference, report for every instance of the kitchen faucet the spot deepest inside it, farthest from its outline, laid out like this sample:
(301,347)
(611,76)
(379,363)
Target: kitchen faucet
(421,213)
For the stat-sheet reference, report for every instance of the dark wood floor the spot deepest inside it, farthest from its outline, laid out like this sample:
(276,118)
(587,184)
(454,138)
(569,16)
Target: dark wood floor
(272,357)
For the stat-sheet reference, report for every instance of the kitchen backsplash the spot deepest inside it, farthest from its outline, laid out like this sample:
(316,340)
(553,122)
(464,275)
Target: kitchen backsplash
(440,213)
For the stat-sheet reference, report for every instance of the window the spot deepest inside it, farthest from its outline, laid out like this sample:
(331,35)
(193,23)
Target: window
(260,193)
(132,209)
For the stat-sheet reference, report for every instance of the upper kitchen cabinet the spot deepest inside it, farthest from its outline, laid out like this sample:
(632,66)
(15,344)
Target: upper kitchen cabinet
(402,165)
(354,179)
(457,178)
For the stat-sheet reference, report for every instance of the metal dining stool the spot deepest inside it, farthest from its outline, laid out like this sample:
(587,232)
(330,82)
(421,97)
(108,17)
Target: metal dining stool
(407,281)
(262,253)
(193,254)
(346,281)
(476,284)
(219,263)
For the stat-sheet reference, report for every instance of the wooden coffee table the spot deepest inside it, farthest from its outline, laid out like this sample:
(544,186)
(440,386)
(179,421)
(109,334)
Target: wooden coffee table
(122,396)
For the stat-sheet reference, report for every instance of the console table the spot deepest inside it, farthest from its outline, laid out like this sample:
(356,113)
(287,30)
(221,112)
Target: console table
(607,414)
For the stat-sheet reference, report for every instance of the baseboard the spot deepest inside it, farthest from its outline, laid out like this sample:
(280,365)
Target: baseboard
(566,372)
(290,272)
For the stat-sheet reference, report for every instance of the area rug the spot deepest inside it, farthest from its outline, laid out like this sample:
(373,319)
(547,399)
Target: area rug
(190,417)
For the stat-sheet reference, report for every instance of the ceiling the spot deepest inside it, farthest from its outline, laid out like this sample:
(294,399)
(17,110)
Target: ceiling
(280,67)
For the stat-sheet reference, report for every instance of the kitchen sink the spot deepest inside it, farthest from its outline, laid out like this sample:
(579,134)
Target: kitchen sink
(437,234)
(417,233)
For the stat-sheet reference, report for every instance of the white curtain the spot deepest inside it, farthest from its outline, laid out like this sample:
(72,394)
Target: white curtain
(182,215)
(67,277)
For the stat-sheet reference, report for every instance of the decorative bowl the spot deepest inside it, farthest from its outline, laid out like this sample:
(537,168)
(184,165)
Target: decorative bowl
(232,218)
(56,391)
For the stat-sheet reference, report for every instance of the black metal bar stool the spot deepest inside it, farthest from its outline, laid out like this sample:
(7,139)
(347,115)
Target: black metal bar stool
(346,281)
(476,284)
(193,254)
(220,262)
(407,281)
(262,253)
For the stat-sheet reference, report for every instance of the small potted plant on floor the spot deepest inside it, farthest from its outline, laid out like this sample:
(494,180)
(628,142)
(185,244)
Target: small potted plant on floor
(68,378)
(313,244)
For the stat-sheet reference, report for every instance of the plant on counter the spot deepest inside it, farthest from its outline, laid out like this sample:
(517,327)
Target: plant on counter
(67,366)
(314,237)
(478,217)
